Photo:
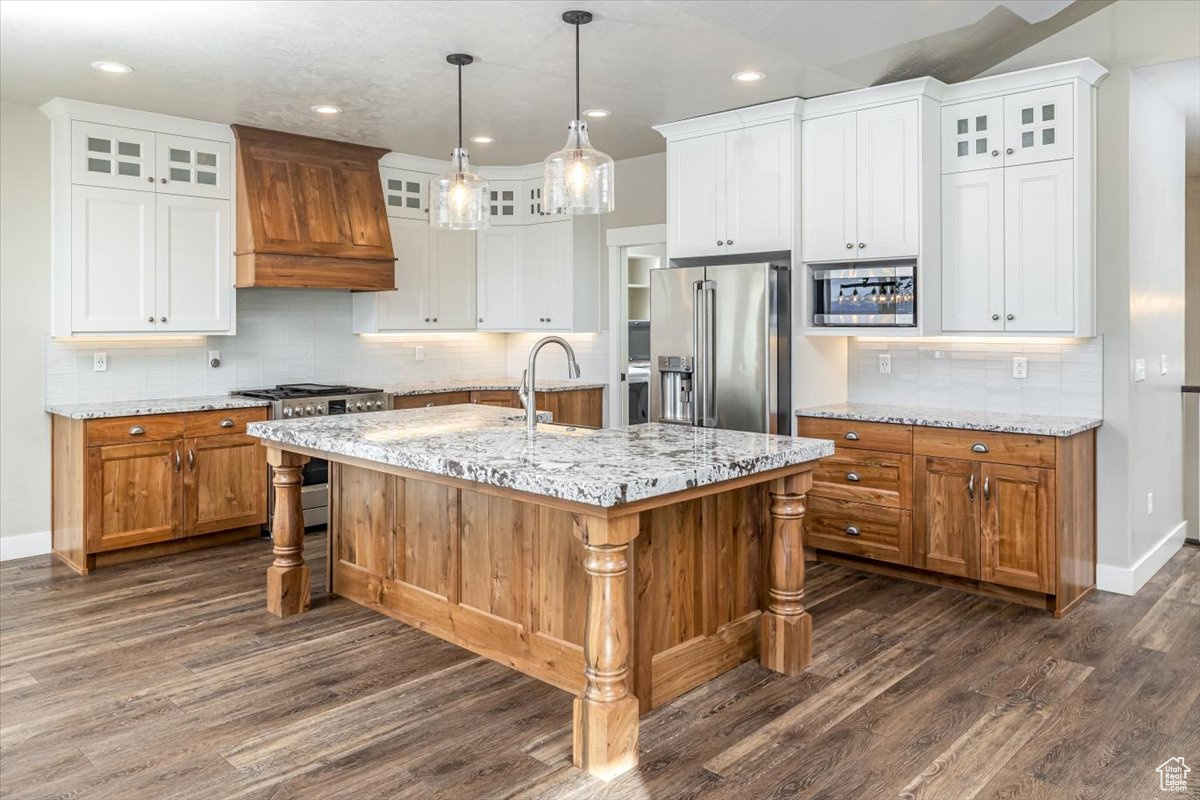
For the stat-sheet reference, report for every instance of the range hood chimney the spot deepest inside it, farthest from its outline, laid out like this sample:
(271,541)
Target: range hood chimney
(310,214)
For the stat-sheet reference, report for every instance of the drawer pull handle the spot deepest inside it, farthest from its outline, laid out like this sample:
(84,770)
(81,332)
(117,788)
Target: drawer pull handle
(136,430)
(979,447)
(851,436)
(851,530)
(226,423)
(853,477)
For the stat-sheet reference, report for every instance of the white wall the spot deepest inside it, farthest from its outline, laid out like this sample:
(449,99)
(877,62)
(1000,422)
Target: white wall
(1123,37)
(24,321)
(1191,402)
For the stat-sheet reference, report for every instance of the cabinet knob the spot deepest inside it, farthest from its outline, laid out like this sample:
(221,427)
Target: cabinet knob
(853,477)
(547,319)
(979,447)
(849,245)
(164,180)
(1009,151)
(862,245)
(136,430)
(729,241)
(149,319)
(1010,317)
(719,242)
(162,319)
(427,319)
(851,436)
(481,319)
(995,153)
(852,530)
(435,319)
(150,179)
(995,316)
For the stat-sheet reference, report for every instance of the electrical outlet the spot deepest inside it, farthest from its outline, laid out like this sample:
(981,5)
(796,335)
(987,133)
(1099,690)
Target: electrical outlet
(1149,503)
(99,362)
(1139,370)
(1020,367)
(885,364)
(418,352)
(1162,364)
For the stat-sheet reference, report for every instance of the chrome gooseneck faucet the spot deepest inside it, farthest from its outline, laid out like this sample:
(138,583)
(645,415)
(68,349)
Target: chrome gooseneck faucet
(529,379)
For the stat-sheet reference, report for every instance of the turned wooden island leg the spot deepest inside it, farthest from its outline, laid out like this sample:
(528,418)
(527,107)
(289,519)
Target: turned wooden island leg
(786,627)
(287,577)
(605,741)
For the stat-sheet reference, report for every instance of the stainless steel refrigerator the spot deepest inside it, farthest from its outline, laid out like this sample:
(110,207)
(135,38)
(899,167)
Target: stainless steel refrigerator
(720,346)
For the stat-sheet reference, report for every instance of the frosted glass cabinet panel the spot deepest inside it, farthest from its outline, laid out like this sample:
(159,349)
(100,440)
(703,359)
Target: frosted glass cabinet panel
(194,167)
(1038,126)
(405,193)
(973,135)
(107,155)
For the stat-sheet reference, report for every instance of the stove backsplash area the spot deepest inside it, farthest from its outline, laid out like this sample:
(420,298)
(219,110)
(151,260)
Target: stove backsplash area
(1065,376)
(283,336)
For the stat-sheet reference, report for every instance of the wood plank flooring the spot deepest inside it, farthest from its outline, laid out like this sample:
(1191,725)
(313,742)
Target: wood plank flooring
(168,679)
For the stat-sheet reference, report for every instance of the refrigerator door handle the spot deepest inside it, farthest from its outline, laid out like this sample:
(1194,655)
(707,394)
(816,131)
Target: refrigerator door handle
(706,406)
(698,340)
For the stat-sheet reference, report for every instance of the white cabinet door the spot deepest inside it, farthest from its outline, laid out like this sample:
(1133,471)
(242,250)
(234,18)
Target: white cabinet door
(407,307)
(1039,125)
(972,135)
(193,276)
(499,278)
(106,155)
(452,279)
(888,200)
(506,202)
(112,260)
(829,206)
(550,277)
(696,203)
(758,188)
(973,251)
(194,167)
(1039,254)
(405,193)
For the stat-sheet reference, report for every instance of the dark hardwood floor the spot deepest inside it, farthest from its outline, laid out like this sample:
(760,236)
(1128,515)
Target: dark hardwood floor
(168,679)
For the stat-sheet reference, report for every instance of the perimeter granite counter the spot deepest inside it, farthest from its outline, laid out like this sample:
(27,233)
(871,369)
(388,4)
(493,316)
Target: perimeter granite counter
(995,421)
(624,565)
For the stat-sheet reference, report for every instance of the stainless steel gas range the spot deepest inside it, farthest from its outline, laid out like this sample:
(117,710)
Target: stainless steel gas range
(295,400)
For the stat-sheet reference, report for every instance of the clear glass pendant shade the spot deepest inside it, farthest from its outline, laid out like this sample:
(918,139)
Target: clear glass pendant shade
(579,178)
(458,198)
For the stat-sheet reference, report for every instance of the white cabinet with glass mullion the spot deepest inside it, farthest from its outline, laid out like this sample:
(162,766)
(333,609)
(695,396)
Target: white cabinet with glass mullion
(112,156)
(193,167)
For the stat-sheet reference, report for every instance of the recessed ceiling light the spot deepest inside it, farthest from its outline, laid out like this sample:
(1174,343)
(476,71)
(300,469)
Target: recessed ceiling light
(112,66)
(483,139)
(748,76)
(326,109)
(597,113)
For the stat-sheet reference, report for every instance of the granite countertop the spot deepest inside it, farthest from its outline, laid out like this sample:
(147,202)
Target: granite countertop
(485,385)
(1038,424)
(136,408)
(605,467)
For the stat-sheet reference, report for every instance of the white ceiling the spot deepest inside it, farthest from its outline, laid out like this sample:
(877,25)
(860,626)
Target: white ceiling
(267,63)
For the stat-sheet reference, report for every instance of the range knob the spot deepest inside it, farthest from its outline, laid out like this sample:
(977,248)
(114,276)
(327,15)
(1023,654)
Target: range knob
(287,412)
(309,410)
(378,404)
(320,409)
(358,406)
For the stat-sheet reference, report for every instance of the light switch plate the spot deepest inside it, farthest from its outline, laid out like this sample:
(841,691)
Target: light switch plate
(99,362)
(1020,367)
(418,352)
(885,363)
(1149,504)
(1139,370)
(1162,364)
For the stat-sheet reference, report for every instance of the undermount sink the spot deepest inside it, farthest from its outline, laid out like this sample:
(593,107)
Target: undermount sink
(565,429)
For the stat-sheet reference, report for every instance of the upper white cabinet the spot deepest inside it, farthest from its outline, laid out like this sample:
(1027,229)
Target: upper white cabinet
(435,280)
(533,211)
(1018,203)
(141,221)
(405,192)
(860,179)
(730,188)
(506,202)
(500,278)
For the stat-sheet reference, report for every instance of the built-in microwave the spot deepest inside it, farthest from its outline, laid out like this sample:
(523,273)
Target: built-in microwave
(882,295)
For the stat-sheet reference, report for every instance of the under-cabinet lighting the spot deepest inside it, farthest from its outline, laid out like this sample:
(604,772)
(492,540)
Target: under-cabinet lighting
(996,340)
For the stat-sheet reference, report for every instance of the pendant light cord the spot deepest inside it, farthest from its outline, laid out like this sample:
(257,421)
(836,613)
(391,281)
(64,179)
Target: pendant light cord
(578,115)
(460,106)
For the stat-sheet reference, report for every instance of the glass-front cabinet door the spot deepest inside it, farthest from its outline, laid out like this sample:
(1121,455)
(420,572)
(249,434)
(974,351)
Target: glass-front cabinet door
(194,167)
(107,155)
(405,193)
(1038,126)
(973,135)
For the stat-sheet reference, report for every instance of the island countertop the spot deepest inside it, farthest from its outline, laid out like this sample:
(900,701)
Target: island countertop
(606,467)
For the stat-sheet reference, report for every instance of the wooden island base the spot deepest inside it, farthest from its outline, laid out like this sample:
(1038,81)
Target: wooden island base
(627,608)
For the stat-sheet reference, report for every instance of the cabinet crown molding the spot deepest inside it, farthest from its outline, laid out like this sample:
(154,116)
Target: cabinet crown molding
(1083,69)
(874,96)
(65,109)
(733,119)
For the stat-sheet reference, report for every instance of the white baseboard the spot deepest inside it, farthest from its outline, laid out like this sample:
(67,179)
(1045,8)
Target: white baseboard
(1127,580)
(24,545)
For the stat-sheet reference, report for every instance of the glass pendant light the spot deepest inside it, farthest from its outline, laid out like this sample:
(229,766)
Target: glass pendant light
(579,178)
(458,198)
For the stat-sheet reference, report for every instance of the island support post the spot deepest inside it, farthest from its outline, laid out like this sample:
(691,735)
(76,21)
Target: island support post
(288,576)
(786,642)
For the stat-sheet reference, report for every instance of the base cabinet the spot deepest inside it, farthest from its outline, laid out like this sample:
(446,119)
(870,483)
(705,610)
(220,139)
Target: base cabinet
(1010,515)
(132,487)
(584,407)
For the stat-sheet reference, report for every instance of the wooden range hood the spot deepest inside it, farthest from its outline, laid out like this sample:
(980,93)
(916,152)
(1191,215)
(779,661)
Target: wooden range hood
(310,214)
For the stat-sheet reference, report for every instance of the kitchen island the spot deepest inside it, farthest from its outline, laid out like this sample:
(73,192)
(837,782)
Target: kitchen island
(624,565)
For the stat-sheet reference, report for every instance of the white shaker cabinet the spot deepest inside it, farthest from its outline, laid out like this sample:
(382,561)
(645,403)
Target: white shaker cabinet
(973,135)
(500,278)
(405,192)
(696,196)
(506,202)
(828,208)
(112,156)
(112,260)
(973,250)
(192,264)
(1039,257)
(193,167)
(548,300)
(452,280)
(1019,128)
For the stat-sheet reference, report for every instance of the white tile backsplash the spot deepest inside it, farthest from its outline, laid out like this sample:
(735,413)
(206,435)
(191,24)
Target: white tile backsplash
(1065,376)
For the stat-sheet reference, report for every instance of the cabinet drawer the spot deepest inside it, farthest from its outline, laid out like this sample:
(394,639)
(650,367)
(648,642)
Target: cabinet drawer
(859,529)
(864,476)
(130,430)
(222,421)
(996,448)
(430,400)
(859,435)
(501,398)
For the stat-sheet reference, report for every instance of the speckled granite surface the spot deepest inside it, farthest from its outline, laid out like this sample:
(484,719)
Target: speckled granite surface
(133,408)
(599,467)
(1038,424)
(485,385)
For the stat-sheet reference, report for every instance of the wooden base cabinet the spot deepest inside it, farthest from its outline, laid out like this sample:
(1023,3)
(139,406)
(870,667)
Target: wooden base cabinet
(134,487)
(1010,515)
